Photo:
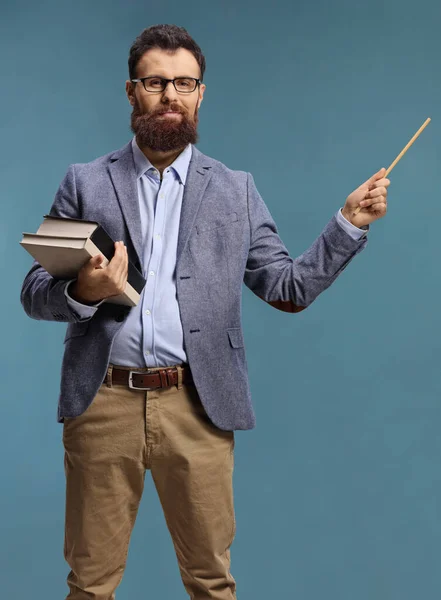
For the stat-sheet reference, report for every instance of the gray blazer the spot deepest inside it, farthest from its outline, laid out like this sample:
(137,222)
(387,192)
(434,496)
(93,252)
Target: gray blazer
(227,236)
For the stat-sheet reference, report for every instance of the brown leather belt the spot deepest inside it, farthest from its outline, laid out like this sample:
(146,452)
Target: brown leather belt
(162,378)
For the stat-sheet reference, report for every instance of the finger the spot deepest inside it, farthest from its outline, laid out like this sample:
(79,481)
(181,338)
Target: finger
(380,183)
(117,256)
(380,191)
(124,260)
(122,266)
(123,272)
(378,175)
(379,207)
(369,202)
(124,257)
(112,272)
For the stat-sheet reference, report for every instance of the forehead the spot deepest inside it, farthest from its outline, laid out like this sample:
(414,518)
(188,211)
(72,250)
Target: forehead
(167,64)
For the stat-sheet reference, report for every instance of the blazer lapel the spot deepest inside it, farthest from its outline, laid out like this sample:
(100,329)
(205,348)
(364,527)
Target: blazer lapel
(198,177)
(122,173)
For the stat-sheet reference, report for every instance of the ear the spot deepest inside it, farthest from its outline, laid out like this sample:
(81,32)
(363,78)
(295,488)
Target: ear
(201,94)
(130,92)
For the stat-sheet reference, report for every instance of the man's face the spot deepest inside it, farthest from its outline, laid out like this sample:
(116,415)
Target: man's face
(167,120)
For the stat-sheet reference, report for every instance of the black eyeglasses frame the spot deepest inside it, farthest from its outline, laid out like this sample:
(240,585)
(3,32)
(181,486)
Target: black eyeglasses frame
(166,82)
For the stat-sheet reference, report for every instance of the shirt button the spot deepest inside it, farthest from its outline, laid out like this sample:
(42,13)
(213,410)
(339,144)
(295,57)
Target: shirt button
(147,352)
(161,196)
(151,273)
(147,312)
(158,235)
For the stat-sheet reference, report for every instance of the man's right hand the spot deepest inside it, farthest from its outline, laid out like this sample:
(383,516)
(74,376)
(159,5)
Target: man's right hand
(95,283)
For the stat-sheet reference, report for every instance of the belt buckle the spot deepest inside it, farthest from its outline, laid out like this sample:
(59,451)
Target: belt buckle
(132,387)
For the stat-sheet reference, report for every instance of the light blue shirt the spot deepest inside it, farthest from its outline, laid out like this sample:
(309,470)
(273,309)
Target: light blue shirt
(152,334)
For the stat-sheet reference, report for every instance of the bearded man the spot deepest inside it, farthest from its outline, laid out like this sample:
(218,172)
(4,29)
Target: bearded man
(163,386)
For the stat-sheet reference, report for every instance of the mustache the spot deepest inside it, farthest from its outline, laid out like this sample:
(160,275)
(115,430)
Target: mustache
(164,109)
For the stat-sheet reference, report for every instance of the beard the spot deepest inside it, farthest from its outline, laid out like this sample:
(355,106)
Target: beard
(164,135)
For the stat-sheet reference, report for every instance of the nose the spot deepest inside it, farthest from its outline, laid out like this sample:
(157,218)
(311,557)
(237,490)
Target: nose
(169,92)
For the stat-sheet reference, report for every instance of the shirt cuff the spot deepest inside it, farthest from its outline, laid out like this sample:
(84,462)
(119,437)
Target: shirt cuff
(354,232)
(84,311)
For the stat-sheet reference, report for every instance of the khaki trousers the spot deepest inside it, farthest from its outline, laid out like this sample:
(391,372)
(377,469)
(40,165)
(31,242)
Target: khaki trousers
(108,449)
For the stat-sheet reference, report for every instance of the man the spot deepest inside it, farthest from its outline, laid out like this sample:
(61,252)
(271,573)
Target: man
(163,386)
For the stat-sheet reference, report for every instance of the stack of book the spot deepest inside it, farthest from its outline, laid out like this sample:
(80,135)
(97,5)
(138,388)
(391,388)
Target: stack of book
(62,246)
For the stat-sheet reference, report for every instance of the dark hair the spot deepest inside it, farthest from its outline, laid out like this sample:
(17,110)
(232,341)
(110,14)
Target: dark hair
(165,37)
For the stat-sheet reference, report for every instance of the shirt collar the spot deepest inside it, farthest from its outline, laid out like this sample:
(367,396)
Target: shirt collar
(179,166)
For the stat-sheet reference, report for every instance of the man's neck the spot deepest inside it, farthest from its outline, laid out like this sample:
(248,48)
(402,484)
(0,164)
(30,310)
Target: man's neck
(160,160)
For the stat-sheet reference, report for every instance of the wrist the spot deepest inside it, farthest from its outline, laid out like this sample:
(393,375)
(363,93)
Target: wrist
(79,295)
(347,215)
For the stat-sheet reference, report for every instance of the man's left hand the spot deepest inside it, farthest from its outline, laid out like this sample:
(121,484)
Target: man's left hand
(372,197)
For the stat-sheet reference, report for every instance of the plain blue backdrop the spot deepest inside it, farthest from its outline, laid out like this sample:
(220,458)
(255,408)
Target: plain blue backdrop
(338,488)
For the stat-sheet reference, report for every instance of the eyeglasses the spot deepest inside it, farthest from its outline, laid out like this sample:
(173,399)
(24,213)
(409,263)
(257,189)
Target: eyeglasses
(156,85)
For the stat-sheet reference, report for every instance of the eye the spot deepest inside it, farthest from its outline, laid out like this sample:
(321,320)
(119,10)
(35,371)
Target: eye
(185,84)
(155,82)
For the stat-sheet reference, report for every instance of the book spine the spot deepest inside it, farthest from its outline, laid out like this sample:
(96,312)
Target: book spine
(106,246)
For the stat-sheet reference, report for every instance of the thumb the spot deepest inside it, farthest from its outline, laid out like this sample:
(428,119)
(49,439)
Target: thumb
(94,262)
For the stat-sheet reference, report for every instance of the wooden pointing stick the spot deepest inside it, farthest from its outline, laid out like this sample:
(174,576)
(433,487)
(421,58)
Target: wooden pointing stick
(401,154)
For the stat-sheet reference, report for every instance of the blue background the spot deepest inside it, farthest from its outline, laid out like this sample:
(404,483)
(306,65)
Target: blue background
(338,488)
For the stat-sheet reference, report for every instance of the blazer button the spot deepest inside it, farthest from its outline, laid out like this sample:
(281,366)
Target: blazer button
(119,318)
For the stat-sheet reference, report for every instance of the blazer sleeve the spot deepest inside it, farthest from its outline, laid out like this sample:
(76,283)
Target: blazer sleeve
(42,296)
(291,284)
